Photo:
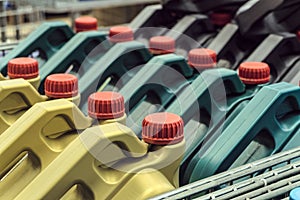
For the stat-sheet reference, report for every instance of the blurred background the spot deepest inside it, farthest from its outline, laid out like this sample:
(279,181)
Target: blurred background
(19,17)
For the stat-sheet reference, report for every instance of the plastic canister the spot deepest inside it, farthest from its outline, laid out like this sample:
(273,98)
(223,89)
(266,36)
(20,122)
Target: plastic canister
(47,129)
(18,95)
(261,129)
(110,162)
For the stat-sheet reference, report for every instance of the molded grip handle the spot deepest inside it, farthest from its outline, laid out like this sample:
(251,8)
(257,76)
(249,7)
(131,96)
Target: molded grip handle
(24,90)
(277,51)
(48,38)
(121,58)
(43,131)
(160,75)
(201,90)
(75,51)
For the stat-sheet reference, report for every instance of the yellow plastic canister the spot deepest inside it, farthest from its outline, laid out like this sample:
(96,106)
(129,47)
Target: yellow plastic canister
(44,131)
(110,162)
(18,95)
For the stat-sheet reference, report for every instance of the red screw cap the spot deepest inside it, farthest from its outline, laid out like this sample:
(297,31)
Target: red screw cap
(220,19)
(86,23)
(162,128)
(298,34)
(106,105)
(162,45)
(253,73)
(202,58)
(61,86)
(120,34)
(24,67)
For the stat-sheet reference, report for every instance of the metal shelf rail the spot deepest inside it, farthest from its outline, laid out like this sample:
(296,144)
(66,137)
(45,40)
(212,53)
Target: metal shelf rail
(268,178)
(60,6)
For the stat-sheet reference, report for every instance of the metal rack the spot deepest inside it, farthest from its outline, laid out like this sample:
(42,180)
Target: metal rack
(18,19)
(271,177)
